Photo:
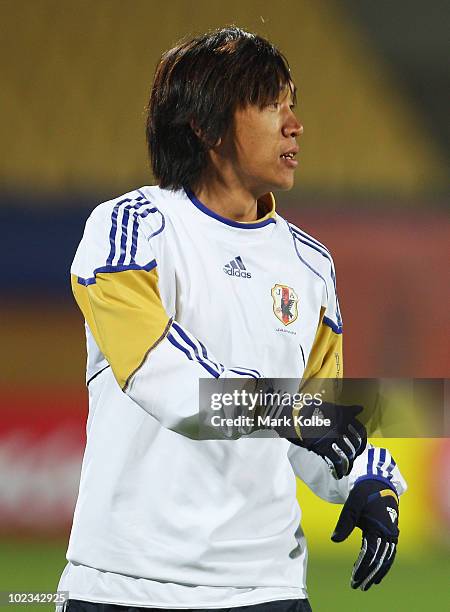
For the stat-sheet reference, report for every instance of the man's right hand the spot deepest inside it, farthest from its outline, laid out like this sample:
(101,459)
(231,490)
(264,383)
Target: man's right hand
(339,442)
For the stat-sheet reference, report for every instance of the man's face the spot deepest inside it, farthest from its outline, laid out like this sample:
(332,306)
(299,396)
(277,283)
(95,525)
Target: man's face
(262,144)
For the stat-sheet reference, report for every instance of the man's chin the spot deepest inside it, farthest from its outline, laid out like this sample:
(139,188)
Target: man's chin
(283,185)
(277,184)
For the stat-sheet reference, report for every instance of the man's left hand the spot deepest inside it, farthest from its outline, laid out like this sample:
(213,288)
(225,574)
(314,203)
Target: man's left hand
(373,507)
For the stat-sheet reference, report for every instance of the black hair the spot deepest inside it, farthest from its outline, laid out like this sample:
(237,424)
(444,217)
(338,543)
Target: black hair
(198,85)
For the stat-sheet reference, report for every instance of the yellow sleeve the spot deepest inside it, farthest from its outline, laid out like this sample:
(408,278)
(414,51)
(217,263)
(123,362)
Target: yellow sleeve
(125,315)
(325,358)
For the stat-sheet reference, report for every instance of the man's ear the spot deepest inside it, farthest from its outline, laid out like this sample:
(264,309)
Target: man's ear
(198,132)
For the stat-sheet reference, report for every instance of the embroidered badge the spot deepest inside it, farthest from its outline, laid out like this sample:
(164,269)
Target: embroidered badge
(285,304)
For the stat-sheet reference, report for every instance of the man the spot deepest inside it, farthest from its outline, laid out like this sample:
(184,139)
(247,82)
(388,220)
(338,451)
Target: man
(200,278)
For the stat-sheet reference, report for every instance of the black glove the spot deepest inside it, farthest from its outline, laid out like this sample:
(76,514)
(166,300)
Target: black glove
(340,442)
(373,507)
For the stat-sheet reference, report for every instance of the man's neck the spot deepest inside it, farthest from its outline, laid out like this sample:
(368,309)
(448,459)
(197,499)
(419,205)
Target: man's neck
(230,201)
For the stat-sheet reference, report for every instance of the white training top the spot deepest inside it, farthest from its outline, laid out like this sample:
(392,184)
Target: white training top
(172,292)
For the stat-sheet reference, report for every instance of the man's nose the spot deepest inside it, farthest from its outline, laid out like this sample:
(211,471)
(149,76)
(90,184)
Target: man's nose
(294,128)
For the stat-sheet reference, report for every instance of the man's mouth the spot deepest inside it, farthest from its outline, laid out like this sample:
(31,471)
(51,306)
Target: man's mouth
(288,158)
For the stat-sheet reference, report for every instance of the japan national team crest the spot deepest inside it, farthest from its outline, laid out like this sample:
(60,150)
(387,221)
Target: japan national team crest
(285,304)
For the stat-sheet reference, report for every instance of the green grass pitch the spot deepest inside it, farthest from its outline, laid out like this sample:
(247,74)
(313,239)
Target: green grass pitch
(412,585)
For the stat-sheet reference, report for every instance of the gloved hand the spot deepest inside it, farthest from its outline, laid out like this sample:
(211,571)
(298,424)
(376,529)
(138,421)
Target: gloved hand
(373,507)
(340,442)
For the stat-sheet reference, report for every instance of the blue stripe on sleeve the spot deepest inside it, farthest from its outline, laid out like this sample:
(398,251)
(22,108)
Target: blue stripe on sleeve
(163,221)
(325,253)
(294,238)
(370,457)
(211,366)
(191,343)
(139,203)
(113,230)
(241,373)
(391,468)
(258,374)
(203,347)
(304,239)
(190,357)
(336,328)
(131,209)
(123,238)
(320,248)
(309,238)
(134,238)
(111,269)
(135,231)
(381,462)
(218,366)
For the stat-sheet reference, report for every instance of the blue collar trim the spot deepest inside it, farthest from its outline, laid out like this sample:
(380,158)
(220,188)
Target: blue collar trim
(211,213)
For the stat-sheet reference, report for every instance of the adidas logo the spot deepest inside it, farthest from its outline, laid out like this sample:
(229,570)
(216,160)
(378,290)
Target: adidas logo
(392,513)
(236,268)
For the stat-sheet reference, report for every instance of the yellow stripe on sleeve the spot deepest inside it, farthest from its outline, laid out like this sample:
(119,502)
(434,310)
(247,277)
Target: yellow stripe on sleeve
(125,315)
(325,359)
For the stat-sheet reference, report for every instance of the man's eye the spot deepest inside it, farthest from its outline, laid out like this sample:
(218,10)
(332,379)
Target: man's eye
(274,105)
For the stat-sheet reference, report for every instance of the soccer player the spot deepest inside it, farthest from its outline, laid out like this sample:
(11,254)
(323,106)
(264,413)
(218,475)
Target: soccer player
(199,277)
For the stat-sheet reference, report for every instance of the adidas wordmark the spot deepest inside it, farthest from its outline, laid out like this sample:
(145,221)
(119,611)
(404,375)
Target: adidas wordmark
(236,268)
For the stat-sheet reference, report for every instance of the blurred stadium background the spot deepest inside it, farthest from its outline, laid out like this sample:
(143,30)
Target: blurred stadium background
(371,184)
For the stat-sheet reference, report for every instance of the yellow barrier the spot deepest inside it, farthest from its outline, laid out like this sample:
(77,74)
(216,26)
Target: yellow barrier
(419,519)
